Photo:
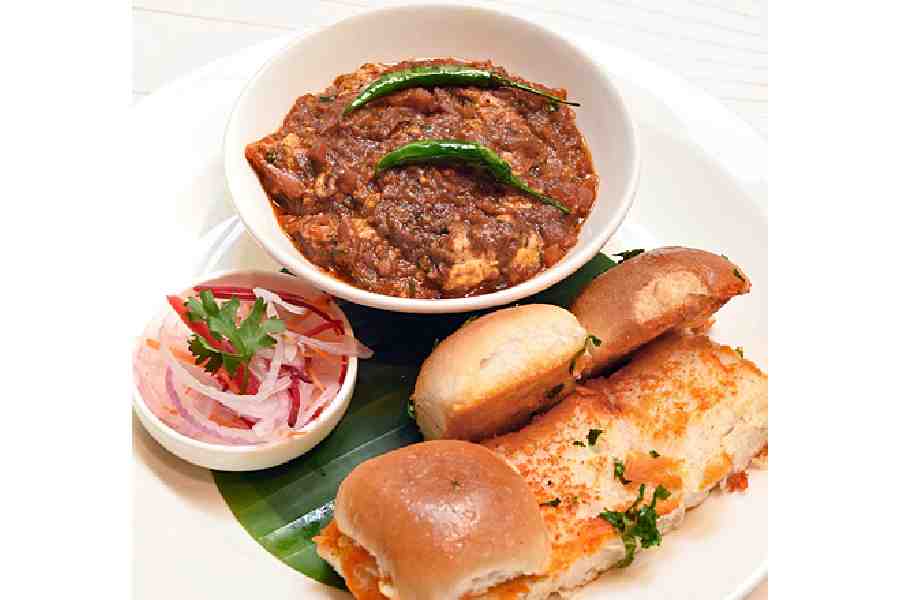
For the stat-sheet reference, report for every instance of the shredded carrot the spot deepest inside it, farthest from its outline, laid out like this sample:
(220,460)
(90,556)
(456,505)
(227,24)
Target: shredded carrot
(321,301)
(189,359)
(152,343)
(181,355)
(319,351)
(232,386)
(292,323)
(316,382)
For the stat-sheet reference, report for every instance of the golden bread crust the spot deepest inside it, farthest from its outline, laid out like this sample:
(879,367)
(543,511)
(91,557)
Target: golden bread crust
(453,506)
(490,375)
(651,293)
(698,405)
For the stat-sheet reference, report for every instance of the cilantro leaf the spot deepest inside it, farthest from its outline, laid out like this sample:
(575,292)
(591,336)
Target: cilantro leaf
(654,454)
(592,436)
(616,519)
(619,471)
(207,356)
(628,254)
(645,520)
(253,332)
(212,359)
(579,443)
(554,503)
(637,524)
(590,339)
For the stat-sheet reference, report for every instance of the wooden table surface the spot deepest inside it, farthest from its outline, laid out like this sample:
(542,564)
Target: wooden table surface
(720,46)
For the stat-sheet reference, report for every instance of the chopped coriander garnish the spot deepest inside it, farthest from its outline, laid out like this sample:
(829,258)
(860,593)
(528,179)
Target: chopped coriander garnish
(554,391)
(740,350)
(590,339)
(619,471)
(411,409)
(654,454)
(285,271)
(326,98)
(628,254)
(554,503)
(592,436)
(251,335)
(738,274)
(271,156)
(579,443)
(637,524)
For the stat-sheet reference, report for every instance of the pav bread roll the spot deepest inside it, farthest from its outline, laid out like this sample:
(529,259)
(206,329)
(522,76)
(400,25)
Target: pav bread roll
(434,521)
(685,413)
(651,293)
(492,374)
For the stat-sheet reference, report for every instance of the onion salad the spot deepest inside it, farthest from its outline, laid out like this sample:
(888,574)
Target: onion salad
(243,366)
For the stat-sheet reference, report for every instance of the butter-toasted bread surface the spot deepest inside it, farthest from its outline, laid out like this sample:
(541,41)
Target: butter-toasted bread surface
(685,413)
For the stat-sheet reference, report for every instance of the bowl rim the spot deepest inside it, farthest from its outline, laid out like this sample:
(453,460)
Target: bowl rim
(319,278)
(339,403)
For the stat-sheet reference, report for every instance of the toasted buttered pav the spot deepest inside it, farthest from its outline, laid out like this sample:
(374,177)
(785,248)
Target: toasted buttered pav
(651,293)
(493,373)
(439,520)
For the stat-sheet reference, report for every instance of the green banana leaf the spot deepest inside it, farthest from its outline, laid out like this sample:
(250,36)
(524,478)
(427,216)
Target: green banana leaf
(284,507)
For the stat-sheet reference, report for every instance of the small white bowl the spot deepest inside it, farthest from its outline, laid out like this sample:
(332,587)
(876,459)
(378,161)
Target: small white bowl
(389,35)
(252,457)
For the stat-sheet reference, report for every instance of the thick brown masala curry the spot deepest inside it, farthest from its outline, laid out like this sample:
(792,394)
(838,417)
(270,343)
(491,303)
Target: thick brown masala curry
(433,231)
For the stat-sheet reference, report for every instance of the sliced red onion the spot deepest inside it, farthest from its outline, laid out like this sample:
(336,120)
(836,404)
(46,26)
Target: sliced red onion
(290,353)
(204,405)
(346,347)
(321,402)
(247,405)
(267,427)
(272,298)
(274,367)
(203,425)
(228,292)
(305,391)
(258,365)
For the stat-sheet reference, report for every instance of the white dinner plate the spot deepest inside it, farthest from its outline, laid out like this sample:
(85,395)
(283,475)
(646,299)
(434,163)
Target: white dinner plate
(703,184)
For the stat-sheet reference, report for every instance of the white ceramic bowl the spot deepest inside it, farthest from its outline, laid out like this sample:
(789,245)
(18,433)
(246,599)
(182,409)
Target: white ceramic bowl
(310,63)
(252,457)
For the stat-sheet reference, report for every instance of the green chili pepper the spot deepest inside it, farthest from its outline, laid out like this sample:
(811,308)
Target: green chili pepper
(440,75)
(471,153)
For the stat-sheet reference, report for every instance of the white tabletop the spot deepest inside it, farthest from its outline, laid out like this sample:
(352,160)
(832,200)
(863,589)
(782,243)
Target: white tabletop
(720,46)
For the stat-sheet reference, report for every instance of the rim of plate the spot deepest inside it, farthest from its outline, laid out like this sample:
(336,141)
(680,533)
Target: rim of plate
(720,119)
